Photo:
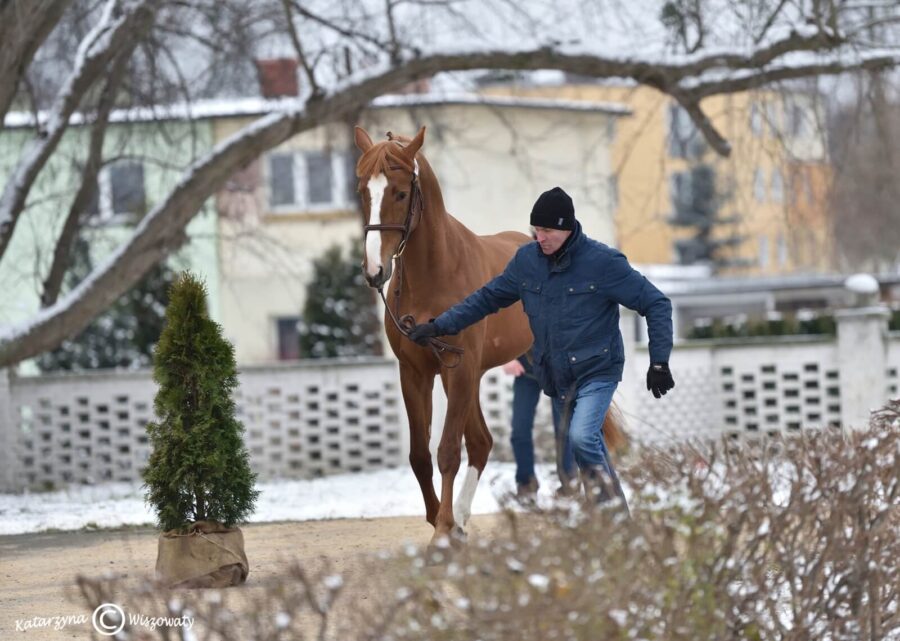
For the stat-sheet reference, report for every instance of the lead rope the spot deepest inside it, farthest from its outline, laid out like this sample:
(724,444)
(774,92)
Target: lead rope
(406,323)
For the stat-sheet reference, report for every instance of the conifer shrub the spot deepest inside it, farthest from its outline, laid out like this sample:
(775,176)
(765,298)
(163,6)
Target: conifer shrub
(199,468)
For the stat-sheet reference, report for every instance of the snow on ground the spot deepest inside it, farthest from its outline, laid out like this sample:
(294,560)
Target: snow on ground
(391,492)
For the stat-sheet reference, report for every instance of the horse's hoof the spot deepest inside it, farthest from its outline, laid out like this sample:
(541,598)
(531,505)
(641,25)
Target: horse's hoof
(439,549)
(458,537)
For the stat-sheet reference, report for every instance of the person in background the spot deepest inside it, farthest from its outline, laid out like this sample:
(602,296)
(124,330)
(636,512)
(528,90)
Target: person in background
(526,394)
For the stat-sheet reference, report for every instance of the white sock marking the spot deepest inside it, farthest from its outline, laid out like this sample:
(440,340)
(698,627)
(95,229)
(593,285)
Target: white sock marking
(462,507)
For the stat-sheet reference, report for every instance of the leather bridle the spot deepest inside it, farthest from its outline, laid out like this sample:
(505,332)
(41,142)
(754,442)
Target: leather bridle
(406,324)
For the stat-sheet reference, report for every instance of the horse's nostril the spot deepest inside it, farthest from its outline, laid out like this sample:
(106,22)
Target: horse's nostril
(377,280)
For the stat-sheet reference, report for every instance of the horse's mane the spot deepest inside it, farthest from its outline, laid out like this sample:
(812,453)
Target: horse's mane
(384,156)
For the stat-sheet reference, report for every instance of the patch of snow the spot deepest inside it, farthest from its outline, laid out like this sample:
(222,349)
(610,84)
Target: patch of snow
(391,492)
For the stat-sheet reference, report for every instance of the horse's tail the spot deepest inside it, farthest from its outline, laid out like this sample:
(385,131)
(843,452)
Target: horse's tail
(614,429)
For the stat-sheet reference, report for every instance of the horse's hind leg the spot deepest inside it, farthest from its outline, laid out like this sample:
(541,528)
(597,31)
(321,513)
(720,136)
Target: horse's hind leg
(417,398)
(478,446)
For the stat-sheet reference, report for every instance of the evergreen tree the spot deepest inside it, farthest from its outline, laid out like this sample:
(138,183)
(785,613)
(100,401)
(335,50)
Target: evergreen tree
(199,468)
(124,336)
(340,317)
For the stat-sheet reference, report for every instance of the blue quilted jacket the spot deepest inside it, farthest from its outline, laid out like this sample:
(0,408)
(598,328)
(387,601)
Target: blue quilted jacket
(572,301)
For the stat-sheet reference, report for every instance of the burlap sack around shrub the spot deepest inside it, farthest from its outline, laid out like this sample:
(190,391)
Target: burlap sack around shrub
(209,556)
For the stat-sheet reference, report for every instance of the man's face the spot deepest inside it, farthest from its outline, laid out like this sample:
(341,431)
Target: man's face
(550,239)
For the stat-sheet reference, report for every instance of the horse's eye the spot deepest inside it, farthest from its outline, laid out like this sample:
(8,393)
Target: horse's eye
(401,195)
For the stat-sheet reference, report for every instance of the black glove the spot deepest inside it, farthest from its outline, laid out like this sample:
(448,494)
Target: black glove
(659,379)
(422,333)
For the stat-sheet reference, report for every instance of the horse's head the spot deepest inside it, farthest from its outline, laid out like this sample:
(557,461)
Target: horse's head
(388,181)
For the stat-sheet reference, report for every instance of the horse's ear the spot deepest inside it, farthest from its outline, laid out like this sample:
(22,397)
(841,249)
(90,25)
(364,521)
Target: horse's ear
(415,144)
(363,140)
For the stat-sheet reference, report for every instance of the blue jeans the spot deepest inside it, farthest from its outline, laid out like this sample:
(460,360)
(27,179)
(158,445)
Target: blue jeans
(582,417)
(526,393)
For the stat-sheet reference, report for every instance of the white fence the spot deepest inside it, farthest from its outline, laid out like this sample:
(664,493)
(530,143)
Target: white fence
(318,418)
(756,386)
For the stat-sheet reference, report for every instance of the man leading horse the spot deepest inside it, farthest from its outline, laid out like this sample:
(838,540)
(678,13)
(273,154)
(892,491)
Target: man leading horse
(571,287)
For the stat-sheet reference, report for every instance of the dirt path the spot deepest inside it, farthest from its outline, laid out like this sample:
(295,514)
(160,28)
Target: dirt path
(37,570)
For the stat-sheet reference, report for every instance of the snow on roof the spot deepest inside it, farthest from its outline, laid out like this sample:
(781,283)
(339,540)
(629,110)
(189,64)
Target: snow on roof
(429,99)
(723,285)
(216,108)
(254,106)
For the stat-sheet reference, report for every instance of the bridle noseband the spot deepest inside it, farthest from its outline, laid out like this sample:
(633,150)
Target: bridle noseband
(407,322)
(416,203)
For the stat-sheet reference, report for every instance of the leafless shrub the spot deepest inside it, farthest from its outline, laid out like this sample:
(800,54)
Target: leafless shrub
(791,538)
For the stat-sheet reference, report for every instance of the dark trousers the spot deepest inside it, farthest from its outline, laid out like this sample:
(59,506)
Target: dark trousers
(526,393)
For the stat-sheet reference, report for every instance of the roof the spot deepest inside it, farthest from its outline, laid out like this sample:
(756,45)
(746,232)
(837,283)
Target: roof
(434,99)
(752,284)
(255,106)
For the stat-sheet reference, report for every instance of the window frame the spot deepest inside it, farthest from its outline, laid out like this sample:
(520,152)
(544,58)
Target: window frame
(340,199)
(105,213)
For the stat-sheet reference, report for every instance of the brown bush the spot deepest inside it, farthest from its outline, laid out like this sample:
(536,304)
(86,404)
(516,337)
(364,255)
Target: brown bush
(788,538)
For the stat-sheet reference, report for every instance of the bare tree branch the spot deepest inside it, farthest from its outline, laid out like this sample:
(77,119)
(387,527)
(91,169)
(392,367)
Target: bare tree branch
(314,88)
(24,26)
(770,21)
(106,41)
(87,187)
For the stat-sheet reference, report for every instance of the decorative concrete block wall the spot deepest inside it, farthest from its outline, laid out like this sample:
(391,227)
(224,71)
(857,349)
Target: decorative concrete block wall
(323,417)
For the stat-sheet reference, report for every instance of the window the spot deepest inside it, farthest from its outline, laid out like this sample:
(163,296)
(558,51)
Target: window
(680,190)
(763,251)
(772,117)
(120,192)
(281,180)
(777,187)
(759,185)
(612,186)
(782,251)
(685,141)
(694,195)
(288,338)
(319,174)
(797,120)
(308,181)
(756,124)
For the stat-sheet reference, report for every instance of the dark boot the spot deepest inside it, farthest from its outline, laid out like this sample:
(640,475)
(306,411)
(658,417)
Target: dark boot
(602,488)
(526,493)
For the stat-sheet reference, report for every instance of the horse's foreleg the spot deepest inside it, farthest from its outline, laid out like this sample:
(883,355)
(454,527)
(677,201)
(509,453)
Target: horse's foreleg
(417,398)
(462,389)
(478,446)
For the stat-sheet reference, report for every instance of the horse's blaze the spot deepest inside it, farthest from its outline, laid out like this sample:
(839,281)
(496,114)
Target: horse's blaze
(376,186)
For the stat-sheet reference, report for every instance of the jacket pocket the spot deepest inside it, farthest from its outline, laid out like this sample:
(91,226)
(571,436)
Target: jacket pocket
(590,358)
(582,301)
(531,297)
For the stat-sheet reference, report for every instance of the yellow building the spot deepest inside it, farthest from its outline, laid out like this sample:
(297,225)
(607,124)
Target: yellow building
(768,196)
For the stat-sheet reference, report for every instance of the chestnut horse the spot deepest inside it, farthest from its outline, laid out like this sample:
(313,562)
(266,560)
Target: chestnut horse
(439,262)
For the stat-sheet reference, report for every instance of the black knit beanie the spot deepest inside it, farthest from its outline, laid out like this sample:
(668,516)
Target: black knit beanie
(553,209)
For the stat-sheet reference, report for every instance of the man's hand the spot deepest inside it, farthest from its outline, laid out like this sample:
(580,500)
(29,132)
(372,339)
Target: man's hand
(659,379)
(514,368)
(421,334)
